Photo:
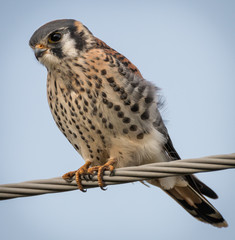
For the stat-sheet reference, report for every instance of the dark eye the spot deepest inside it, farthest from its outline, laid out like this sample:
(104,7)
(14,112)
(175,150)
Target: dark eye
(54,37)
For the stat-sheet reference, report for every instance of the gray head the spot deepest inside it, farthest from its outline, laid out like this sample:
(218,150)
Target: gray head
(60,39)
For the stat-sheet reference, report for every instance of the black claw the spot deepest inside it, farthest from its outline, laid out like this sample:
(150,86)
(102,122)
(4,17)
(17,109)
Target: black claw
(90,176)
(69,180)
(111,173)
(86,177)
(83,190)
(103,188)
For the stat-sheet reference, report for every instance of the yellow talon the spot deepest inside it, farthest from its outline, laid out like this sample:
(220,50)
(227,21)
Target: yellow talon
(86,169)
(83,170)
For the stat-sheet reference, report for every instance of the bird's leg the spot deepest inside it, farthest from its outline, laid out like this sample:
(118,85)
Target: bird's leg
(110,165)
(83,170)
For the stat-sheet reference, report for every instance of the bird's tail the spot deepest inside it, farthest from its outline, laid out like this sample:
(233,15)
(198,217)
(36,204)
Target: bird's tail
(196,204)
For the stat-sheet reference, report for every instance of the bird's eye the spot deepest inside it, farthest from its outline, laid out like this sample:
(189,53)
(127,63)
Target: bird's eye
(54,37)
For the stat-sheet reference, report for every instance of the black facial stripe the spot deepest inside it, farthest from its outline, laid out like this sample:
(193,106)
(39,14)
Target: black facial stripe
(58,52)
(78,37)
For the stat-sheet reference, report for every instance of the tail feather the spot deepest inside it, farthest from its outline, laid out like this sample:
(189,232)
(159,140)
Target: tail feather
(189,194)
(203,188)
(197,205)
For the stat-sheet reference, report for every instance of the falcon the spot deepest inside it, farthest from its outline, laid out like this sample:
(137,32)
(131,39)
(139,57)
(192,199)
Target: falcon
(110,113)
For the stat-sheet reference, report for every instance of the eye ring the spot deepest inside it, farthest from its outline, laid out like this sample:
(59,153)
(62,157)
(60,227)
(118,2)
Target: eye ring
(54,37)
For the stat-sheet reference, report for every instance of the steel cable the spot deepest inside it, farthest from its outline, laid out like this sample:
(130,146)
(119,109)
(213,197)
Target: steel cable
(121,175)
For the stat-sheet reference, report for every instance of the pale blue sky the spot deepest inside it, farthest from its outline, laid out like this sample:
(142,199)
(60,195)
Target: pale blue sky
(187,49)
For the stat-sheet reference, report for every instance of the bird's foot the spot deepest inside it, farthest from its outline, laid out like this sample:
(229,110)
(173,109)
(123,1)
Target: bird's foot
(82,171)
(110,165)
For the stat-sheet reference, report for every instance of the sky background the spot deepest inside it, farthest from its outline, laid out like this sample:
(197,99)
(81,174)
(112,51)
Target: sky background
(187,49)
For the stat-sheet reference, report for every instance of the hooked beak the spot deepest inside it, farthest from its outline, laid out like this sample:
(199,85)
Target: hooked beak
(39,51)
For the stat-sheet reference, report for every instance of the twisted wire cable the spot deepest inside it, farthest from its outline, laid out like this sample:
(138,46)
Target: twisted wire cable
(121,175)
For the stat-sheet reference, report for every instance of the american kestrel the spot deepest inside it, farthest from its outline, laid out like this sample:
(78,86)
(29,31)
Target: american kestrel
(110,113)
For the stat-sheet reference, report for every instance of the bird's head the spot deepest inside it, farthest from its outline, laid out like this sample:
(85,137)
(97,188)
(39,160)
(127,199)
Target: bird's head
(60,39)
